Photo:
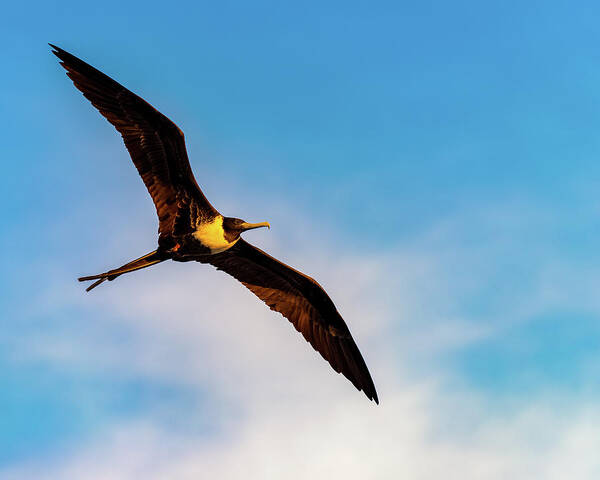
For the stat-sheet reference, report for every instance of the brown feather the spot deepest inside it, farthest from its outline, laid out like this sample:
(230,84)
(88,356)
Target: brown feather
(303,302)
(155,143)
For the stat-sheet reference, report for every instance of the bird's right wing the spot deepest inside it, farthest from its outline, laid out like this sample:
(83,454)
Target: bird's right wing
(303,302)
(155,143)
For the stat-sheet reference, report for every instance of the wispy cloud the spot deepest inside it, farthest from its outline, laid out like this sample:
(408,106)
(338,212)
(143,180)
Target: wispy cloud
(261,403)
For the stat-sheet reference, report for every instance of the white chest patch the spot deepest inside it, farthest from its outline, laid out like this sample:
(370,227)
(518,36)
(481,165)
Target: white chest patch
(212,235)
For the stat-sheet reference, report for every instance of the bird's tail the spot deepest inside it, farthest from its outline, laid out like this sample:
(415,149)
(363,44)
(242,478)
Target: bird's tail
(142,262)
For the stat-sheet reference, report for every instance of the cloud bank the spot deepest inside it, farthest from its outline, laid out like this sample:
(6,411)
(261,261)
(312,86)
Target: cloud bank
(256,401)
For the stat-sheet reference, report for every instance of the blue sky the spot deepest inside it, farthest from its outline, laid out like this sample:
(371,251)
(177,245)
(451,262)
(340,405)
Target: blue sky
(434,165)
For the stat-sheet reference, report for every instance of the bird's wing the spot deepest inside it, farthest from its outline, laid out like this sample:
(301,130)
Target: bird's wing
(303,302)
(155,143)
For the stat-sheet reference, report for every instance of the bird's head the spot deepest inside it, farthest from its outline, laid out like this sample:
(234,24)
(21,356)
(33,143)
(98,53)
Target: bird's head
(233,227)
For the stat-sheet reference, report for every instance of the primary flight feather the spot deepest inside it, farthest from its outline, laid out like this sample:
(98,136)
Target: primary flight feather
(190,228)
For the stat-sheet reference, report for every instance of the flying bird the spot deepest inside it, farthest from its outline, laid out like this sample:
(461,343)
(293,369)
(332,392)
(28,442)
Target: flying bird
(191,229)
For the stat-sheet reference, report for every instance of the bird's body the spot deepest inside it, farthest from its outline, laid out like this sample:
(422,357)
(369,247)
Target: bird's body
(190,228)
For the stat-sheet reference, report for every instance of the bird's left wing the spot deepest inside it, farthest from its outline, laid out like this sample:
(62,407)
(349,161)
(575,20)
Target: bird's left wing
(303,302)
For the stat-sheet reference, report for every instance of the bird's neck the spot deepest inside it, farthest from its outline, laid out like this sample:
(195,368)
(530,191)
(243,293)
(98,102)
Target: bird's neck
(212,235)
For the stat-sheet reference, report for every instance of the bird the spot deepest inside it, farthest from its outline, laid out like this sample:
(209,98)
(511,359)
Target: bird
(191,229)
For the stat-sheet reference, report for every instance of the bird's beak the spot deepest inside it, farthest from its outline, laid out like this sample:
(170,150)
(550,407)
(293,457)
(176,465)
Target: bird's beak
(249,226)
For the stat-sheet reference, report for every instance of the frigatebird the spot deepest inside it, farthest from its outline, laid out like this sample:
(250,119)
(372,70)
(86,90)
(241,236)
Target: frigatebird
(191,229)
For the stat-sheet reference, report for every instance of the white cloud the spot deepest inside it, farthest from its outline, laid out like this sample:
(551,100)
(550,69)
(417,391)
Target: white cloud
(320,436)
(280,411)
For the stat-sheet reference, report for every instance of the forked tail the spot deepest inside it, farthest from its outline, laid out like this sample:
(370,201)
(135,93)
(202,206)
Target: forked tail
(142,262)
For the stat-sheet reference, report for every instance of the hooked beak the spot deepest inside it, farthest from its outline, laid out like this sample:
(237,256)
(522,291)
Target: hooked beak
(249,226)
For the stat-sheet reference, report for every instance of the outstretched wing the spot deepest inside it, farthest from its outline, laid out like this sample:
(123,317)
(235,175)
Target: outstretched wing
(155,143)
(303,302)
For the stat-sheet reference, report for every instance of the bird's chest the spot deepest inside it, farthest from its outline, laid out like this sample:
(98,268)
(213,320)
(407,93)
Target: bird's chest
(212,236)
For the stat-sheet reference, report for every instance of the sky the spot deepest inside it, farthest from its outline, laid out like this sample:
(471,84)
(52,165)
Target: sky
(434,165)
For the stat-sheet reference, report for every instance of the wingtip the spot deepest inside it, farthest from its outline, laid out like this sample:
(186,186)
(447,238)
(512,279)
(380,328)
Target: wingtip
(60,53)
(372,395)
(57,51)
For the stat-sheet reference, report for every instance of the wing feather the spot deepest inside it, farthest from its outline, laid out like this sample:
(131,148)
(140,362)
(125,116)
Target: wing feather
(303,302)
(155,143)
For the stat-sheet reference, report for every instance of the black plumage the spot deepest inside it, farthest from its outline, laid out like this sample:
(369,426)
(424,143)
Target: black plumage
(190,228)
